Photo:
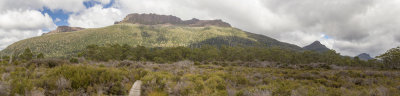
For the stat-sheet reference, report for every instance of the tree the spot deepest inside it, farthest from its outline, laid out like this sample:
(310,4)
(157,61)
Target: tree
(331,57)
(356,60)
(391,58)
(27,55)
(40,56)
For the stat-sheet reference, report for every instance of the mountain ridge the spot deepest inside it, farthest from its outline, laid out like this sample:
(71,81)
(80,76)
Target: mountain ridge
(65,44)
(154,19)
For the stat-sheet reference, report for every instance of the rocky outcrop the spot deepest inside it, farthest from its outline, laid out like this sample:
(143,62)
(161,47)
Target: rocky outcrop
(150,19)
(154,19)
(61,29)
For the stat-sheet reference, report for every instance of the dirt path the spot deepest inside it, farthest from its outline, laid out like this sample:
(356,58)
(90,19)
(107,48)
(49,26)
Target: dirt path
(135,90)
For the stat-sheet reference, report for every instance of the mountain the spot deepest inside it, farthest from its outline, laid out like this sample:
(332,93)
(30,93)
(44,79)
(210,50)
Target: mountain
(153,32)
(317,47)
(61,29)
(154,19)
(364,56)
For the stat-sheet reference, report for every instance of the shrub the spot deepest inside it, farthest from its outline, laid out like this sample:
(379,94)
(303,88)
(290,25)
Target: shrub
(40,56)
(20,82)
(216,83)
(159,60)
(20,85)
(46,62)
(117,89)
(74,60)
(157,93)
(156,81)
(63,83)
(27,55)
(196,63)
(87,76)
(125,63)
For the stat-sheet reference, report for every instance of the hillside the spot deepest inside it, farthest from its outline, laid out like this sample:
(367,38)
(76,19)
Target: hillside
(69,43)
(317,47)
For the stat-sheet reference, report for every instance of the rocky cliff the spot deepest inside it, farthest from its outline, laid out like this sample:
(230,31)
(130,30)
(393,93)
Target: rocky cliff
(61,29)
(154,19)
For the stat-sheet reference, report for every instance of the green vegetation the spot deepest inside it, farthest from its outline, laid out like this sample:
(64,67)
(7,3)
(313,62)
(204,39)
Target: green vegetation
(223,53)
(31,78)
(391,58)
(187,61)
(236,78)
(69,43)
(27,55)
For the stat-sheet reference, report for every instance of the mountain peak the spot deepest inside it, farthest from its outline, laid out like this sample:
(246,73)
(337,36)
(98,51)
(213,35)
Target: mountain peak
(364,56)
(155,19)
(316,43)
(316,46)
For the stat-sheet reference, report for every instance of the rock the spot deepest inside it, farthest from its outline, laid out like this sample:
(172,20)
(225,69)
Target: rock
(154,19)
(61,29)
(136,88)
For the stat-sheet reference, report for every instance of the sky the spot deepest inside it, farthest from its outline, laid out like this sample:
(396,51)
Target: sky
(350,27)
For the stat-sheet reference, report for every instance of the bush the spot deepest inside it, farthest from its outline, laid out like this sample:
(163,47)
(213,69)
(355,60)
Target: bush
(20,86)
(157,93)
(87,76)
(156,81)
(117,89)
(40,56)
(46,62)
(20,82)
(215,83)
(159,60)
(74,60)
(125,63)
(196,63)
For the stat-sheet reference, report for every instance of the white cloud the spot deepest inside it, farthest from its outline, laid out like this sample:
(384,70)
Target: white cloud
(20,19)
(94,17)
(65,5)
(104,1)
(27,19)
(20,5)
(57,20)
(69,5)
(8,37)
(21,24)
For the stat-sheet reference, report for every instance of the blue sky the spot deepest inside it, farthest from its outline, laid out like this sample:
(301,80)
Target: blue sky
(57,14)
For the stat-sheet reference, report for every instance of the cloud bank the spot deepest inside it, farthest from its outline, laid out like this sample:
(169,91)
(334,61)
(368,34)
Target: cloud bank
(95,17)
(18,25)
(21,19)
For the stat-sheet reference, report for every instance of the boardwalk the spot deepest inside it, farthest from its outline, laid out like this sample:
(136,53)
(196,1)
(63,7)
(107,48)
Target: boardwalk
(135,90)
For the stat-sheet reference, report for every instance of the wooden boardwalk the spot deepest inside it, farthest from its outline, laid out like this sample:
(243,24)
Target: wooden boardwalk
(135,90)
